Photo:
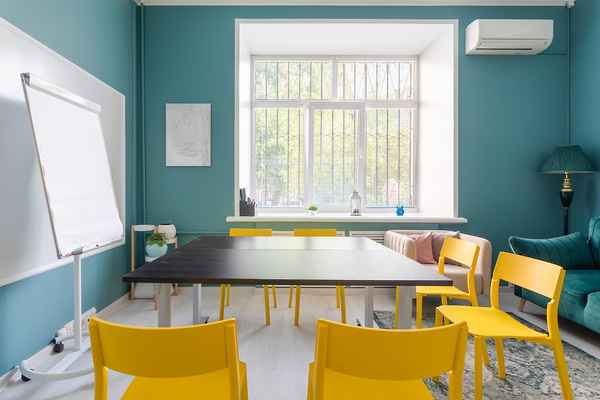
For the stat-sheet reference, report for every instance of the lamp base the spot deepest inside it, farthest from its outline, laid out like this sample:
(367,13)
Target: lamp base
(566,197)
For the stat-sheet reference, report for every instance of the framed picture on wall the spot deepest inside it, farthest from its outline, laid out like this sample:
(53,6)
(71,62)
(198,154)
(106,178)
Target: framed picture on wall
(187,133)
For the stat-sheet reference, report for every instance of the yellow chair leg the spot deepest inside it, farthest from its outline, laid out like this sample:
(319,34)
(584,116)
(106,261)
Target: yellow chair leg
(297,310)
(444,300)
(419,315)
(337,297)
(267,306)
(342,294)
(227,295)
(500,357)
(290,296)
(478,383)
(222,302)
(274,289)
(486,356)
(397,307)
(562,369)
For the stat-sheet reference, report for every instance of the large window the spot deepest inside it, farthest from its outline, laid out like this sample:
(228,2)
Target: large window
(323,126)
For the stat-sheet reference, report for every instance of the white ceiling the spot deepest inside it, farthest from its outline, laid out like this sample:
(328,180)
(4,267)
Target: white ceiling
(338,38)
(364,2)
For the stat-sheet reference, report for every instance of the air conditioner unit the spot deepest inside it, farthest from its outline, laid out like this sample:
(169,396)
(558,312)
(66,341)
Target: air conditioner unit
(509,36)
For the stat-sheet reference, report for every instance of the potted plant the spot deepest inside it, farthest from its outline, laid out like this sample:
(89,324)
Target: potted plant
(313,209)
(156,244)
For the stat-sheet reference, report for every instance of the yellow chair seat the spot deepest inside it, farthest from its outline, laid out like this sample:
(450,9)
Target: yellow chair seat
(449,291)
(213,385)
(347,387)
(490,322)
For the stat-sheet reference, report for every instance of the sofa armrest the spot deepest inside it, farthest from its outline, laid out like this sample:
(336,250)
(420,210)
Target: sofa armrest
(401,243)
(484,263)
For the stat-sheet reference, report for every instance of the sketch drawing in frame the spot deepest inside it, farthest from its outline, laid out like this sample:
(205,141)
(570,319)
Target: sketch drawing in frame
(188,131)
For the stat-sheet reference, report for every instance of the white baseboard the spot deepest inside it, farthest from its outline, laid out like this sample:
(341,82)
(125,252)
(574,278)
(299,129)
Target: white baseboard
(44,355)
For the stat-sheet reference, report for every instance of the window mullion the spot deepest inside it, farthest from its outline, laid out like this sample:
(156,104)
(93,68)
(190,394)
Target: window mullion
(309,118)
(361,157)
(334,88)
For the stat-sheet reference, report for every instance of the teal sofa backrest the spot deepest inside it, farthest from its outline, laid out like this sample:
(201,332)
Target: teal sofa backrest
(594,239)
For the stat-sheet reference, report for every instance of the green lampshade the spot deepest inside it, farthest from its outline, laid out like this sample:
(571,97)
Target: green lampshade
(569,159)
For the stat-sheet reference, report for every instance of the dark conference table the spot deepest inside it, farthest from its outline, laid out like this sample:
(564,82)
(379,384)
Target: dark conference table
(286,260)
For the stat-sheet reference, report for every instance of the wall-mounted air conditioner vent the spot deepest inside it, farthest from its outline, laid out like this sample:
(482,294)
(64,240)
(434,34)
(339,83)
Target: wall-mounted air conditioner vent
(509,36)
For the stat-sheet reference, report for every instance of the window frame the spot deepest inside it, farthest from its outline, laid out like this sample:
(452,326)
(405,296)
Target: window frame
(361,106)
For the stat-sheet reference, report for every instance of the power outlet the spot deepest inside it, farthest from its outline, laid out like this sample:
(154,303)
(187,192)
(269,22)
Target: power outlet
(67,330)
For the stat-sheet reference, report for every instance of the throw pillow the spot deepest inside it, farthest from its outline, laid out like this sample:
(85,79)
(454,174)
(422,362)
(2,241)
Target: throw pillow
(424,246)
(437,239)
(570,251)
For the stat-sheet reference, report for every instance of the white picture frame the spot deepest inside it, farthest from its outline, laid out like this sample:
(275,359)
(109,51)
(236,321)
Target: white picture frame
(187,135)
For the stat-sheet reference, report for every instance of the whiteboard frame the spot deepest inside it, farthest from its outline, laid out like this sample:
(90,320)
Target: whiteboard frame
(122,202)
(33,81)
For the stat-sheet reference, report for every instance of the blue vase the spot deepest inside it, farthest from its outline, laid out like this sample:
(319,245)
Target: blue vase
(154,250)
(400,211)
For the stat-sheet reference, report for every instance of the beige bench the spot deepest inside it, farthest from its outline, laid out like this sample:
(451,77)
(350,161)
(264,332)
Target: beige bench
(398,240)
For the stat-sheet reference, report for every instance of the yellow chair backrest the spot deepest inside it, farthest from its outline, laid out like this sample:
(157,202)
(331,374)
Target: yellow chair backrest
(465,253)
(536,275)
(250,232)
(164,352)
(315,232)
(459,250)
(409,354)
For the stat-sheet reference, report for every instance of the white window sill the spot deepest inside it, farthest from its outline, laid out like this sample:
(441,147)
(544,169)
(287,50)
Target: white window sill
(337,217)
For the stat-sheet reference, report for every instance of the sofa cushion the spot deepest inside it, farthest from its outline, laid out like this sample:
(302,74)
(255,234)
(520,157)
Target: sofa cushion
(591,315)
(594,238)
(582,282)
(569,251)
(579,285)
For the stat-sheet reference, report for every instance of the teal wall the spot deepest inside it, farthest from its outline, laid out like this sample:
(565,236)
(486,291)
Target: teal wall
(585,104)
(512,112)
(99,36)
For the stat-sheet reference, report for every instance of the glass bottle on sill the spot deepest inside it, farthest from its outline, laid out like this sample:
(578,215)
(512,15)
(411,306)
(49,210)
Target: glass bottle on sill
(355,204)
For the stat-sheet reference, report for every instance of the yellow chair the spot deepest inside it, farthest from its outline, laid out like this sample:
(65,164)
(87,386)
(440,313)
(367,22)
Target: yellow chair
(225,294)
(491,322)
(346,367)
(340,293)
(169,363)
(461,251)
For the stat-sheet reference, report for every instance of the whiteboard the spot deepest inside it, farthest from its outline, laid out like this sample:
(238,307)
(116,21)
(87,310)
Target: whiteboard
(74,167)
(27,245)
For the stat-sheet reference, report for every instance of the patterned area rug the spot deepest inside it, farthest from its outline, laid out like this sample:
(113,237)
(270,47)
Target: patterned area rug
(530,370)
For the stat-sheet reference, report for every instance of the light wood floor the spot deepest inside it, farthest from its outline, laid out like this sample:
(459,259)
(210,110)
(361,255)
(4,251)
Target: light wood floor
(277,356)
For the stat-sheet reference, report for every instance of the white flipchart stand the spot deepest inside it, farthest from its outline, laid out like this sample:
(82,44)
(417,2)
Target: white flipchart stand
(79,192)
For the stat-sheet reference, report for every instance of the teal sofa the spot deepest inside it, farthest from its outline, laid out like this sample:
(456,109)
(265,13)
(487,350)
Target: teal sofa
(580,256)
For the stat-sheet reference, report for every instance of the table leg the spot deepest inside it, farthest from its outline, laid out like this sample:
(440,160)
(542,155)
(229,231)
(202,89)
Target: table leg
(197,302)
(164,305)
(405,307)
(370,290)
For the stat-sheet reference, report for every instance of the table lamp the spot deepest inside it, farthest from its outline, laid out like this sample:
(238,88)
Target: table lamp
(567,160)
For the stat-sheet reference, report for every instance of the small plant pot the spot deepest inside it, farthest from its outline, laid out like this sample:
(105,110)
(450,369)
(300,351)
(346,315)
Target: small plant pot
(313,212)
(154,250)
(168,230)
